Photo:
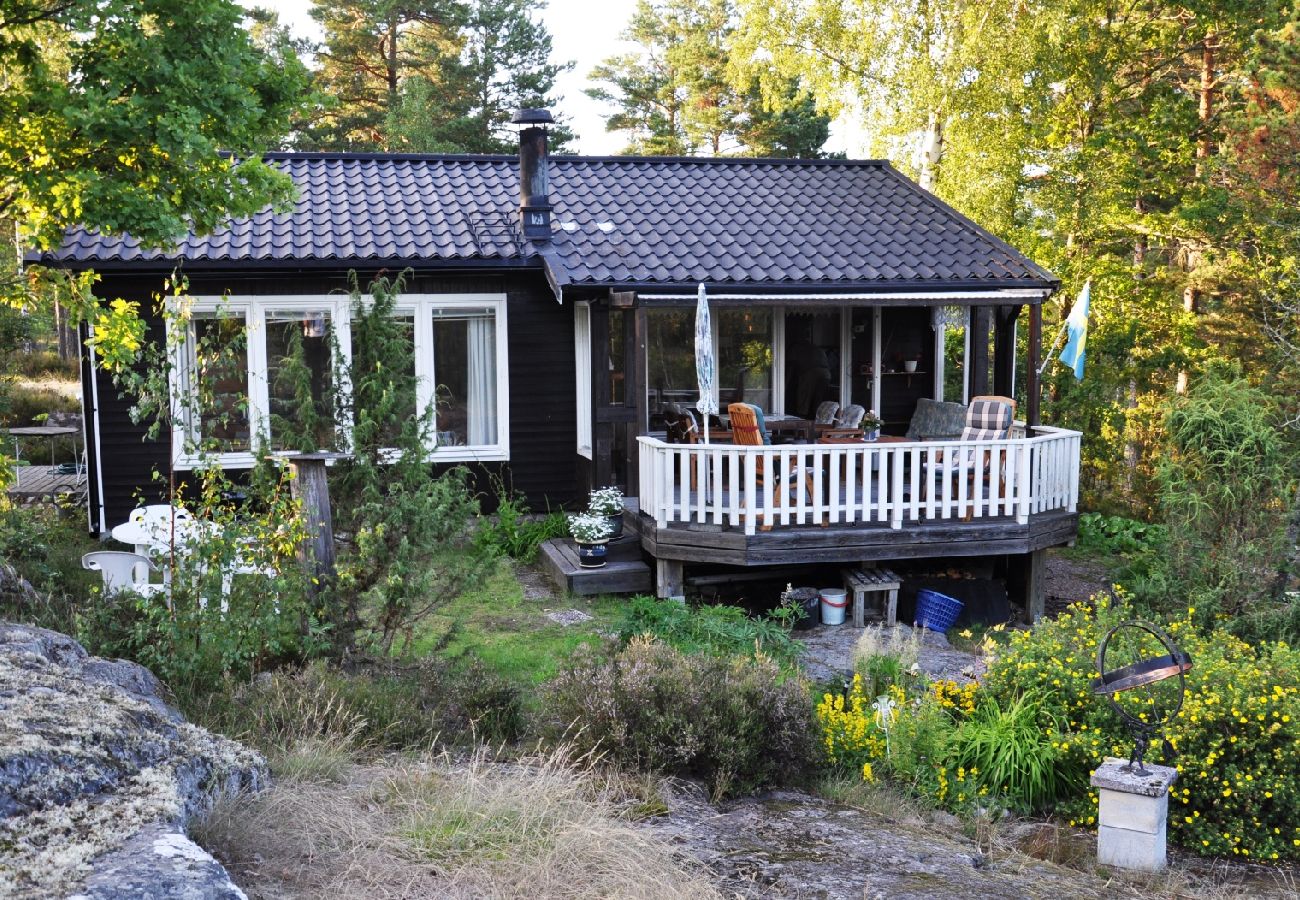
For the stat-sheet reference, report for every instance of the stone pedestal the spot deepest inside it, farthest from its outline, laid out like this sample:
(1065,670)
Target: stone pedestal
(1131,815)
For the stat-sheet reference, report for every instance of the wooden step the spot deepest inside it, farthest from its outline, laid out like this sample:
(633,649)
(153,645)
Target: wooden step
(623,573)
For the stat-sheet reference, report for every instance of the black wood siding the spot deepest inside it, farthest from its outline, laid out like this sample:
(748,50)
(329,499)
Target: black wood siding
(543,430)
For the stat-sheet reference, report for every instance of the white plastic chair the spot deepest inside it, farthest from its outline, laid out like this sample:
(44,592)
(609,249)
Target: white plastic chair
(119,568)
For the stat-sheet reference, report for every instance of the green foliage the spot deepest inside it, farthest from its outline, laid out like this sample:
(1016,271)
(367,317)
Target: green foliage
(1012,745)
(503,66)
(430,76)
(412,547)
(138,116)
(1225,479)
(740,724)
(206,634)
(44,545)
(513,531)
(1233,738)
(1119,536)
(713,629)
(676,95)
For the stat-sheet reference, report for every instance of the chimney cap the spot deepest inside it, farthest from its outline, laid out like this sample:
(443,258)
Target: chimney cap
(532,117)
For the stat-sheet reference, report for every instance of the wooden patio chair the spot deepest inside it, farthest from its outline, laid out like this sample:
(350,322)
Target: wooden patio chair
(746,431)
(988,418)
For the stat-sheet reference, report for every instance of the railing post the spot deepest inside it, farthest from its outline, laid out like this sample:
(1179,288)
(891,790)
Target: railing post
(1024,487)
(896,491)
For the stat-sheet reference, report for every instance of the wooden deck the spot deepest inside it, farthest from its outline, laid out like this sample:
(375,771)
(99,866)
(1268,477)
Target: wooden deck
(705,543)
(625,572)
(35,483)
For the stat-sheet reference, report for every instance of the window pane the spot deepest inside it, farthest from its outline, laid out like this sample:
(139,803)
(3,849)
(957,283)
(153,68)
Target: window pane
(812,360)
(219,362)
(383,378)
(670,360)
(300,379)
(744,357)
(464,368)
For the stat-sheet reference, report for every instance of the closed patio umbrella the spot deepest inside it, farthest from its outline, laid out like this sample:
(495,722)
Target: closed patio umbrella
(705,366)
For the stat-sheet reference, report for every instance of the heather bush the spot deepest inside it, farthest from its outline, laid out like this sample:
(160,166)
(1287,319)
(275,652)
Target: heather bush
(739,723)
(383,707)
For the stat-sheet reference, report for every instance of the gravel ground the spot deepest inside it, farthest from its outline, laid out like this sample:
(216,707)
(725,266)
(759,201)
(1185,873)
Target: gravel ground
(1071,580)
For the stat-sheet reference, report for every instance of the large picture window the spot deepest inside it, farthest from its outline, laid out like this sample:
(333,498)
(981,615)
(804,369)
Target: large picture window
(265,374)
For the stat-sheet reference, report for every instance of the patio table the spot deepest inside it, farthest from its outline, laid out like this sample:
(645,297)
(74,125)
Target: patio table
(45,431)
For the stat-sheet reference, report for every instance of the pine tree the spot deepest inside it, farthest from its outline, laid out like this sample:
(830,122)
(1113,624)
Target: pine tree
(371,48)
(681,94)
(504,66)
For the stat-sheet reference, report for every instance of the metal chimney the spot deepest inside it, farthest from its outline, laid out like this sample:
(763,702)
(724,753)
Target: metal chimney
(534,177)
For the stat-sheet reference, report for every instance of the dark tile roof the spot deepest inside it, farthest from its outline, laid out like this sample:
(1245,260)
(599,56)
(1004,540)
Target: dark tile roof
(617,221)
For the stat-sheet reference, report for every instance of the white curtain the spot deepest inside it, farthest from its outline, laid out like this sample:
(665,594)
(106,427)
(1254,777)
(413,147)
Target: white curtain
(482,400)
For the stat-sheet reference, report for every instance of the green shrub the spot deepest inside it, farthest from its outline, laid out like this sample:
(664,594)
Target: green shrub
(710,628)
(1011,752)
(44,545)
(412,545)
(25,404)
(1117,535)
(1235,738)
(35,363)
(739,723)
(1225,476)
(513,531)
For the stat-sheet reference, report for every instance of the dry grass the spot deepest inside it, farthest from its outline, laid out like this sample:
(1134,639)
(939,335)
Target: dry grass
(901,644)
(543,827)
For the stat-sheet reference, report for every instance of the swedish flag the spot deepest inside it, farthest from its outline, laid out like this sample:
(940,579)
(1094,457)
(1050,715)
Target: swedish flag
(1077,324)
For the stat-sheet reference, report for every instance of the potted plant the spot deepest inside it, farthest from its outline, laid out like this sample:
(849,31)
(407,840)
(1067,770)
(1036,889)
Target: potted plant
(870,426)
(608,502)
(590,532)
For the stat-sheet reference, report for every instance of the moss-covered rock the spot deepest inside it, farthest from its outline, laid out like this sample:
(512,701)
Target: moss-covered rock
(90,755)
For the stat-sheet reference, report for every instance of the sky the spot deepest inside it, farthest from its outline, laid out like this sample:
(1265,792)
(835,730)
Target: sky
(581,31)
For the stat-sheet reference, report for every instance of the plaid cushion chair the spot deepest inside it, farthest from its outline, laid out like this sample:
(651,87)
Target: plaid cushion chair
(988,418)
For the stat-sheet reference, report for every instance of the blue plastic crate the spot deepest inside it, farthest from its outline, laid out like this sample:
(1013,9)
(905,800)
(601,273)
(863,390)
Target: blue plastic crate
(936,611)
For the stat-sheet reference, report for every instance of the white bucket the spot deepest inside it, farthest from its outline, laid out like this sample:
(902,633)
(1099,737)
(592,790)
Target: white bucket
(834,600)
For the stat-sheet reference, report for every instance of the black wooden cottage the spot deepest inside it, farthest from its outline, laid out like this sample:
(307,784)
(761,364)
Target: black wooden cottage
(555,308)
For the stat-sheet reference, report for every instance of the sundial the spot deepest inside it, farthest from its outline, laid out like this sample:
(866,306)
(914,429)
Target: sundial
(1142,674)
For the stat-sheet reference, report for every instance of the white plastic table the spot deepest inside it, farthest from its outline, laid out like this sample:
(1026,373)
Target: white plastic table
(154,538)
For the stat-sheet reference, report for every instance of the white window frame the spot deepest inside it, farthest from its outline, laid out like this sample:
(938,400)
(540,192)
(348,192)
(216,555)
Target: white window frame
(582,358)
(254,308)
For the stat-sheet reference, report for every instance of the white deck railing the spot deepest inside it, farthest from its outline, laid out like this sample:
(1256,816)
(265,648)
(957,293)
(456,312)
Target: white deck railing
(866,483)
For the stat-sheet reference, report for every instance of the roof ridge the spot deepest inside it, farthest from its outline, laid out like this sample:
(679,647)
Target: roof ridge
(378,156)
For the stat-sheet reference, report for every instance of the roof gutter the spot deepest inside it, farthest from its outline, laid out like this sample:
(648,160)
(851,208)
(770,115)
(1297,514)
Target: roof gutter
(885,298)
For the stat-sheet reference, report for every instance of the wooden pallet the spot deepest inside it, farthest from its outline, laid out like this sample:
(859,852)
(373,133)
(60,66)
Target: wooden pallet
(861,582)
(625,572)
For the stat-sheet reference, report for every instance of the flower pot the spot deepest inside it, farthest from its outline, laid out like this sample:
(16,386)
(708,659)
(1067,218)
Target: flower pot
(591,556)
(909,366)
(872,435)
(615,526)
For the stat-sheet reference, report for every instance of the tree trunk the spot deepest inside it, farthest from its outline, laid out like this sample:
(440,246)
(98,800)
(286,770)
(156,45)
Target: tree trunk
(931,153)
(1204,147)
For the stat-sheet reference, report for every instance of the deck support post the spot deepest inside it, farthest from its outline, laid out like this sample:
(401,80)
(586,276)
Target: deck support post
(669,579)
(1004,350)
(978,376)
(1034,574)
(1035,339)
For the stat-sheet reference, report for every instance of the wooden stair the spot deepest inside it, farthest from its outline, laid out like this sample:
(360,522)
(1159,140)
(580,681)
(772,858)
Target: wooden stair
(625,572)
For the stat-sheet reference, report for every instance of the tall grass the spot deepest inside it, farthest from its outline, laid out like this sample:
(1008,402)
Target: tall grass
(547,826)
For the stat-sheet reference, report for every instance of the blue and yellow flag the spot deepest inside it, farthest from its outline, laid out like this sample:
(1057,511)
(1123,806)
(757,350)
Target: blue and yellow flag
(1077,324)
